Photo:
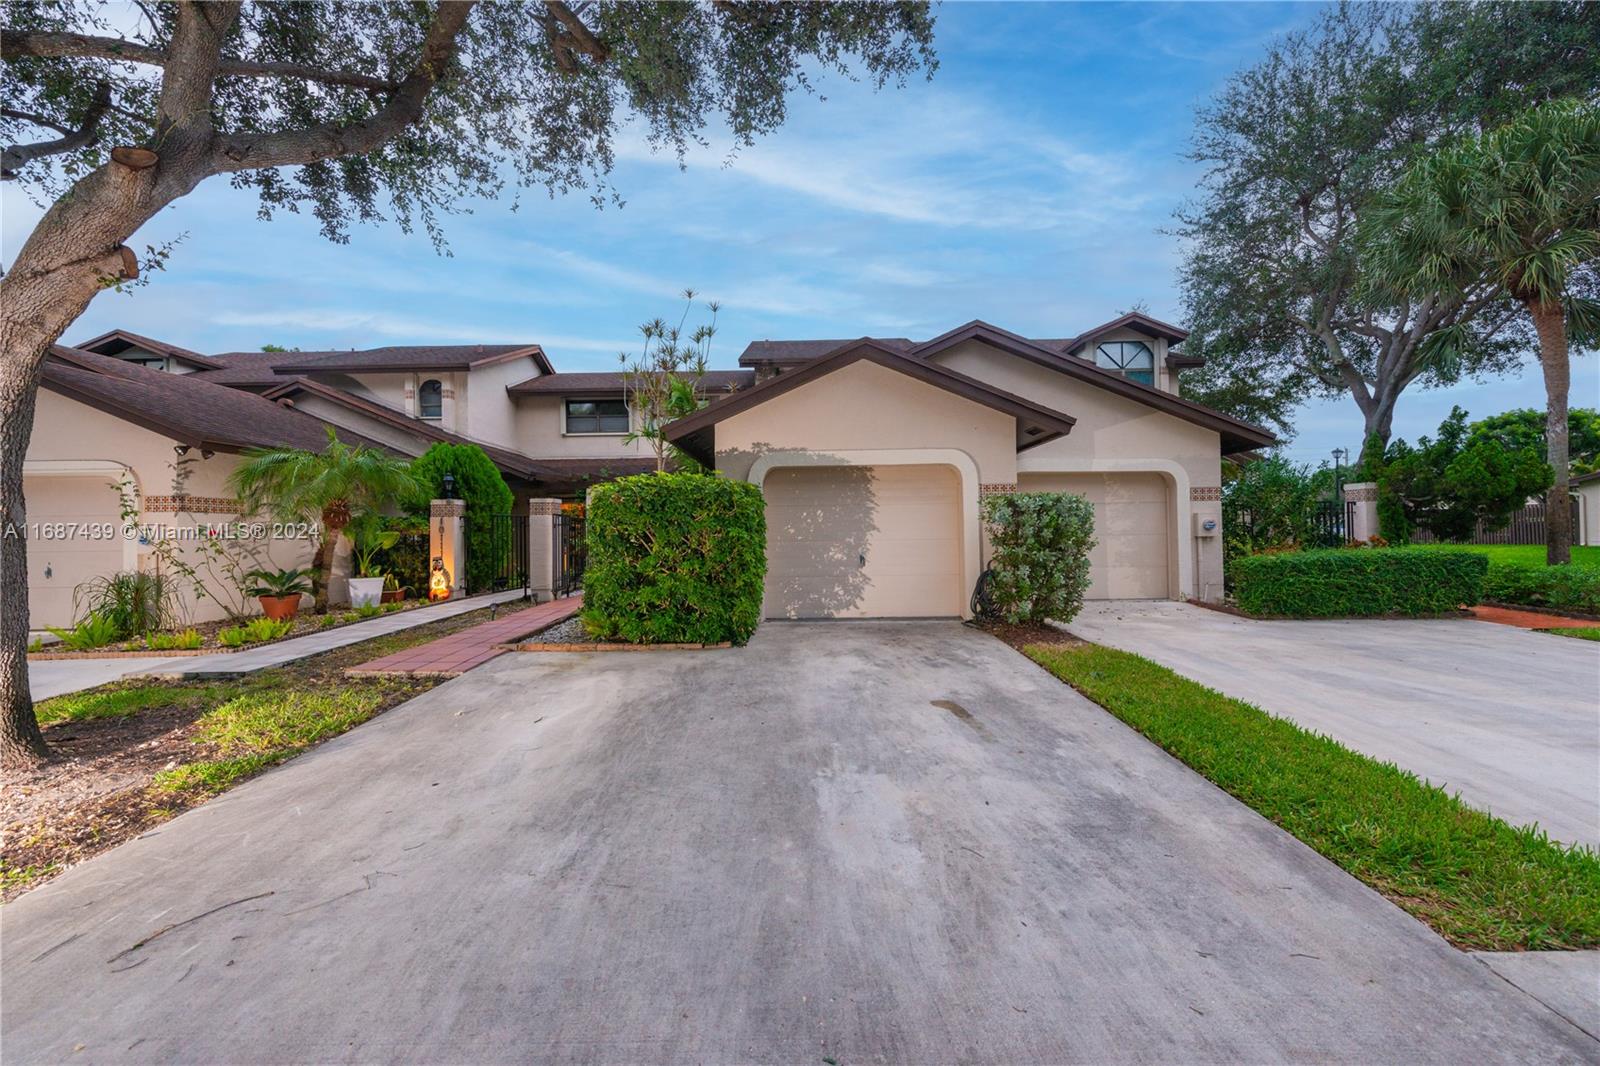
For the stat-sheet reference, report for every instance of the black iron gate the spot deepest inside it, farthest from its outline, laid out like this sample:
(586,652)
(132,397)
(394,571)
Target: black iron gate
(570,553)
(497,551)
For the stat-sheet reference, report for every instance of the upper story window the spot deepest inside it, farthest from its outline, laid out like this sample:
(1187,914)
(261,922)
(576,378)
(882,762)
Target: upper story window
(1132,359)
(430,399)
(597,416)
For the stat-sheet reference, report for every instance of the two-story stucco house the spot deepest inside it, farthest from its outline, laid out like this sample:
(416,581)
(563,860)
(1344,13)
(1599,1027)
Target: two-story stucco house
(873,454)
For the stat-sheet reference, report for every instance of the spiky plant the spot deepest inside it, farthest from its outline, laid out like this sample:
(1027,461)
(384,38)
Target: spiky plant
(1518,208)
(328,487)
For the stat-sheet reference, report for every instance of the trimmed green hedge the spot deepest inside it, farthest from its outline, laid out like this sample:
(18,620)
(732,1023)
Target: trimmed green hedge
(675,559)
(1352,582)
(1560,588)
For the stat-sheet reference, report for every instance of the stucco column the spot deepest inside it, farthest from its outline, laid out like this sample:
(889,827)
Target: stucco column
(343,569)
(1205,522)
(447,541)
(1364,515)
(542,547)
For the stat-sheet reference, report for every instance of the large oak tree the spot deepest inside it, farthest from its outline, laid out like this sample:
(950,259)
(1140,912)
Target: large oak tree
(354,112)
(1299,144)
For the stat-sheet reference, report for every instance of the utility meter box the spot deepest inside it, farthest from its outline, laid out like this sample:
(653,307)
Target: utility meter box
(1207,525)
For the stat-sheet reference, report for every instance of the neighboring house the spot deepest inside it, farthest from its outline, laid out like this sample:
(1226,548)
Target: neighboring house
(874,456)
(873,453)
(1587,488)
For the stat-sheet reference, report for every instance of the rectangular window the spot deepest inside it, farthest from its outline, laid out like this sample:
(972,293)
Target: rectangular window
(597,416)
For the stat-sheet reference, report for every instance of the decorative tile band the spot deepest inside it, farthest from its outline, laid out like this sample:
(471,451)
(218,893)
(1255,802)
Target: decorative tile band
(193,505)
(544,507)
(1209,494)
(1362,493)
(998,488)
(447,508)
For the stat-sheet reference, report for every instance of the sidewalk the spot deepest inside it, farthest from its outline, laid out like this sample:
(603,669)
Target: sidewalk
(287,651)
(454,655)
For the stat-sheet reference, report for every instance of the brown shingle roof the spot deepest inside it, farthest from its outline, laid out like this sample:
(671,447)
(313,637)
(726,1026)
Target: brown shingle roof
(120,340)
(395,357)
(184,407)
(714,381)
(800,351)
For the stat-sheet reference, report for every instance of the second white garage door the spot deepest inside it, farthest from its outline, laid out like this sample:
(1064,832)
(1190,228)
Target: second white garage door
(863,542)
(1133,525)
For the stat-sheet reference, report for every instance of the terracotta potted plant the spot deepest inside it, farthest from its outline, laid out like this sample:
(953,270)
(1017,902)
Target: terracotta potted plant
(279,591)
(393,591)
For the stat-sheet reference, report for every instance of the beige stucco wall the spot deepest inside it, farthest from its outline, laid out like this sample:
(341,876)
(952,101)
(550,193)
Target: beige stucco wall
(865,415)
(488,412)
(1113,434)
(538,431)
(74,456)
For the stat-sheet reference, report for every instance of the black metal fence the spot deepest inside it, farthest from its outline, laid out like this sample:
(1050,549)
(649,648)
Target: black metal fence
(1324,524)
(570,553)
(1527,526)
(496,550)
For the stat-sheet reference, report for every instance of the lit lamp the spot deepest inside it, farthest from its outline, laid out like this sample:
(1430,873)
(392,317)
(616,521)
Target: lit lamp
(438,580)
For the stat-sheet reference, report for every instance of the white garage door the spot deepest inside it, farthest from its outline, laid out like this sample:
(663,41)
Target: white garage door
(59,557)
(863,542)
(1133,524)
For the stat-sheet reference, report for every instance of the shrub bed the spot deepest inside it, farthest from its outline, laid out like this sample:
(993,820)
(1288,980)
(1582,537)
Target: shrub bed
(1345,582)
(1559,588)
(1039,565)
(675,559)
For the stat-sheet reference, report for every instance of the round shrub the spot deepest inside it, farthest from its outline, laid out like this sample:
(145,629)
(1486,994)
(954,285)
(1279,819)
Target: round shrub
(674,559)
(479,484)
(1039,562)
(1355,582)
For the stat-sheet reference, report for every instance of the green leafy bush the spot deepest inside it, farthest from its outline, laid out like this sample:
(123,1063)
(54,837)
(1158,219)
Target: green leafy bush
(1349,582)
(675,558)
(1039,561)
(479,484)
(95,631)
(254,632)
(1560,588)
(187,640)
(134,602)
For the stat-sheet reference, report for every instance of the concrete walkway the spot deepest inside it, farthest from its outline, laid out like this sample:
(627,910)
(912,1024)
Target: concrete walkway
(459,652)
(57,677)
(287,651)
(857,842)
(1508,718)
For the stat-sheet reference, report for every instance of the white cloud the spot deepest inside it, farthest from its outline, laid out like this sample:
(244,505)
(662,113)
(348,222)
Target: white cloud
(380,324)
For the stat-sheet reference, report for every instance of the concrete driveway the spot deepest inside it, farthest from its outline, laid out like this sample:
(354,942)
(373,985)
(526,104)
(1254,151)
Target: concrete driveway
(1508,718)
(846,842)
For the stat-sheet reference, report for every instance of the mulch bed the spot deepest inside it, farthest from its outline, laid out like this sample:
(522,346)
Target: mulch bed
(1020,636)
(97,794)
(305,623)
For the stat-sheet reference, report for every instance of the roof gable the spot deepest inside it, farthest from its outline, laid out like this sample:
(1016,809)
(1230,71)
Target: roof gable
(1036,423)
(1236,433)
(1137,321)
(117,341)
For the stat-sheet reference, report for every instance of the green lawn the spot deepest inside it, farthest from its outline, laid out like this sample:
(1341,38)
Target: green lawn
(1481,883)
(1526,554)
(1581,633)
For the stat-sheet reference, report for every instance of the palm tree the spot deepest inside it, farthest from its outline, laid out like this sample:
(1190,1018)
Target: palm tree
(329,487)
(1517,207)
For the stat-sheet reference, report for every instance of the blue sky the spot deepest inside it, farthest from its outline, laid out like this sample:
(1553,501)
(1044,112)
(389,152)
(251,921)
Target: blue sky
(1027,184)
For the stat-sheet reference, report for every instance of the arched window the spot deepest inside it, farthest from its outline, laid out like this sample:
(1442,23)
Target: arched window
(430,399)
(1132,359)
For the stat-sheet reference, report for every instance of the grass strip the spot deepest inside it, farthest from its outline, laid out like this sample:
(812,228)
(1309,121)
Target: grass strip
(1480,883)
(1580,632)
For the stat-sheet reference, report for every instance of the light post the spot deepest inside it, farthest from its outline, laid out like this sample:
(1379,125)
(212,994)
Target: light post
(1339,455)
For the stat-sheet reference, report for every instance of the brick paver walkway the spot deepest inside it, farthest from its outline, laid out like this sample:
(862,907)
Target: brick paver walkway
(1529,619)
(459,652)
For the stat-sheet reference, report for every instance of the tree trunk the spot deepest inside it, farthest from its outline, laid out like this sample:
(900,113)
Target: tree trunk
(1549,321)
(1377,428)
(39,298)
